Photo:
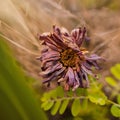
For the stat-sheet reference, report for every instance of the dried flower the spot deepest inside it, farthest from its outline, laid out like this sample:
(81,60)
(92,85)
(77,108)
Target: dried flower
(63,58)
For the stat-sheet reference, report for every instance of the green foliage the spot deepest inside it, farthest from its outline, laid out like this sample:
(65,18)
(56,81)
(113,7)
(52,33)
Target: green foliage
(111,81)
(98,98)
(115,110)
(63,106)
(115,70)
(83,102)
(75,107)
(55,107)
(58,102)
(114,83)
(118,98)
(17,100)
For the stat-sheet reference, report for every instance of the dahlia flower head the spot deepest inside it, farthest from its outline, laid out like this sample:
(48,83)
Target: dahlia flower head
(64,60)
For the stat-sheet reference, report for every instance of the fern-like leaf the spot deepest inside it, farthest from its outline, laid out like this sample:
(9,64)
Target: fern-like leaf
(55,107)
(75,109)
(63,106)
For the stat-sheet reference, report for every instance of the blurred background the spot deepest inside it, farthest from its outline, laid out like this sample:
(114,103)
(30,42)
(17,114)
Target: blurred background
(22,20)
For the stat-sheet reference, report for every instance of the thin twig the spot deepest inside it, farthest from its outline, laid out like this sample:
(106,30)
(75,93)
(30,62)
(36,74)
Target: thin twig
(118,105)
(68,98)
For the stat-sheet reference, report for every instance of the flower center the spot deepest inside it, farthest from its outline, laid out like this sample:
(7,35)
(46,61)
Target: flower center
(69,58)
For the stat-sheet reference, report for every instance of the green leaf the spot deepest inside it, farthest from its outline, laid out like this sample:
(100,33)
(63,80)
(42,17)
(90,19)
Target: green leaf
(84,103)
(59,91)
(17,99)
(118,67)
(81,91)
(48,105)
(48,95)
(55,107)
(97,98)
(111,81)
(63,106)
(44,104)
(115,110)
(75,109)
(45,97)
(115,72)
(70,93)
(118,98)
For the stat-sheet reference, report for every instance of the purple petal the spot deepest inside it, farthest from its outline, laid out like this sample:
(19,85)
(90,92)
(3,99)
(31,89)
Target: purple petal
(87,65)
(77,83)
(74,46)
(78,35)
(51,70)
(56,30)
(94,64)
(86,70)
(53,47)
(45,38)
(94,57)
(80,78)
(48,79)
(82,36)
(51,54)
(58,41)
(67,39)
(48,64)
(49,60)
(86,78)
(76,77)
(70,75)
(55,75)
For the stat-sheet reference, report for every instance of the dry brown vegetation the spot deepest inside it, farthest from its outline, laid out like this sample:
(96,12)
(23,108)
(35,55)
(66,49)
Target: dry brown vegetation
(22,20)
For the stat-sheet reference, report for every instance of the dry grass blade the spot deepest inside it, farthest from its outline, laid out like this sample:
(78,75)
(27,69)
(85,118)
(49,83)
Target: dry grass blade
(18,45)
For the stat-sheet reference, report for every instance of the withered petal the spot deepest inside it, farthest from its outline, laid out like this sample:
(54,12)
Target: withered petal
(94,57)
(76,77)
(49,60)
(53,47)
(86,78)
(50,55)
(56,30)
(52,58)
(70,75)
(51,70)
(80,78)
(48,64)
(58,41)
(86,70)
(54,76)
(78,35)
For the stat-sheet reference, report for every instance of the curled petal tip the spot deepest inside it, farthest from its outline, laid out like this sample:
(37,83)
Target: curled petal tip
(61,80)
